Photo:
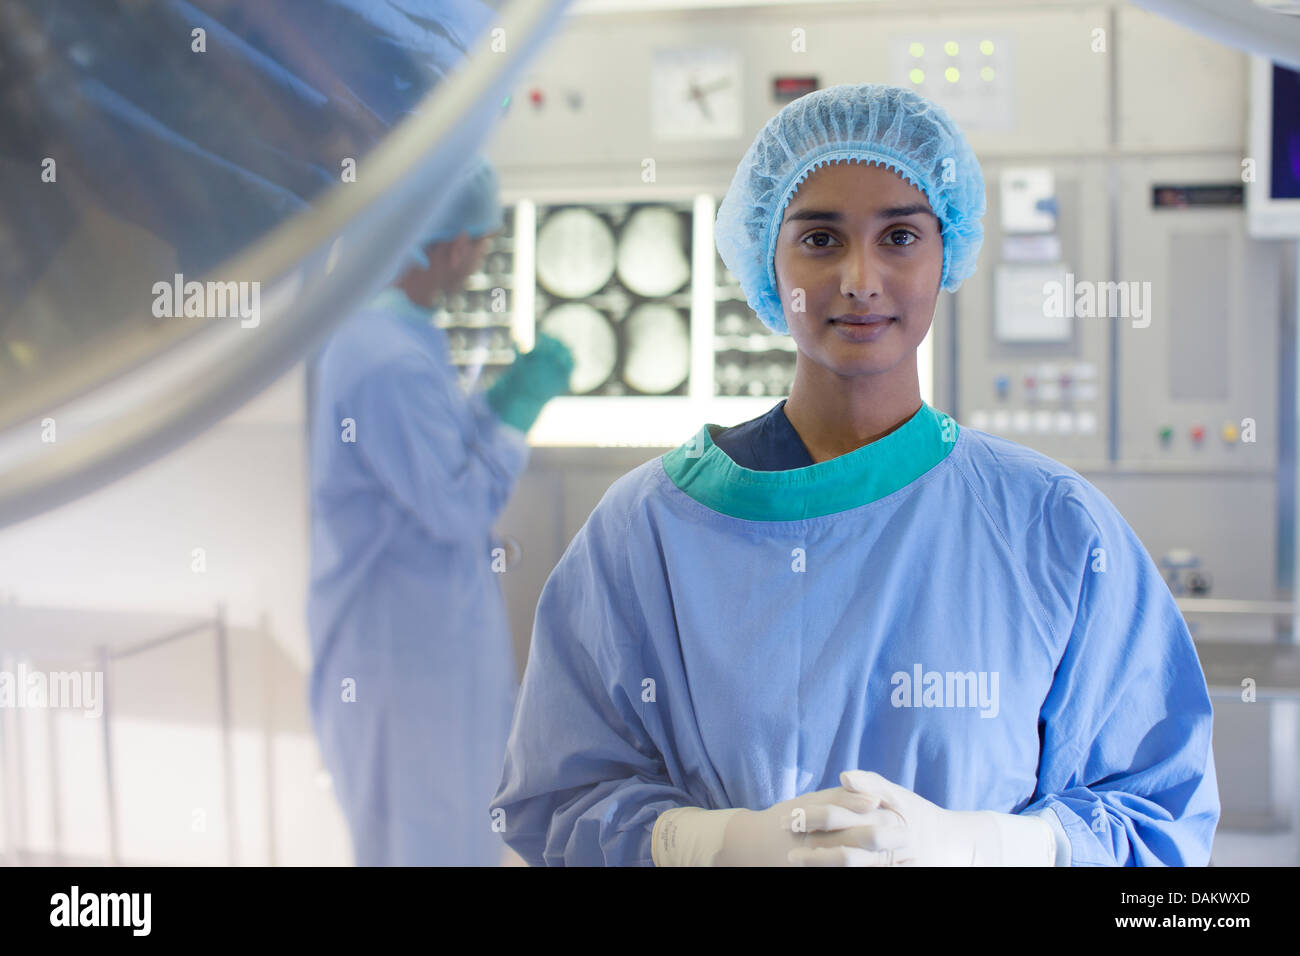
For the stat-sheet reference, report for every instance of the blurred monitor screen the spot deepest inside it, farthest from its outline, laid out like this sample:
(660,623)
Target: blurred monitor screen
(1286,134)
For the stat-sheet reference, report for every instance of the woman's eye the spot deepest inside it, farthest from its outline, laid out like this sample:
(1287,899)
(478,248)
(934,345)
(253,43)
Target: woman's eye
(815,235)
(821,240)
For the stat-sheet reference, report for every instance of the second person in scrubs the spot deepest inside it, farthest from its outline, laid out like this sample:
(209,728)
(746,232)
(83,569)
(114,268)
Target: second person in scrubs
(413,671)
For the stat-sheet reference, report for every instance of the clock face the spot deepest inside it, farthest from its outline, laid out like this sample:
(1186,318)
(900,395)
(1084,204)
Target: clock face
(695,94)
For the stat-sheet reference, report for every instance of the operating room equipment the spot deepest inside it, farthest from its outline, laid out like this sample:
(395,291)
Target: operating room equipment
(334,246)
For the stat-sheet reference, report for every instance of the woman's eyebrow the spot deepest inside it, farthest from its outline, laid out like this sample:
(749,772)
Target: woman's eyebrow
(831,215)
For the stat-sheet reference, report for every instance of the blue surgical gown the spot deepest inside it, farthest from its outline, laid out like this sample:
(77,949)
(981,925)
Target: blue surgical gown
(966,617)
(404,601)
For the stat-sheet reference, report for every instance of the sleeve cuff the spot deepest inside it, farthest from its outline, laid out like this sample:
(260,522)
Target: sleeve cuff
(509,444)
(689,836)
(1063,851)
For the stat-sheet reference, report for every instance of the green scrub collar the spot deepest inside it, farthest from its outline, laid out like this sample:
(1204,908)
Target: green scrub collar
(704,472)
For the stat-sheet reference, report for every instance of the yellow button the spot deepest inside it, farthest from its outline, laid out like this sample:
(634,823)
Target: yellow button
(1229,432)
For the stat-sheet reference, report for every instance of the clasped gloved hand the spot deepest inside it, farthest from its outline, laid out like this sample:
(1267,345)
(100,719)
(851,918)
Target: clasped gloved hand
(692,836)
(924,834)
(536,377)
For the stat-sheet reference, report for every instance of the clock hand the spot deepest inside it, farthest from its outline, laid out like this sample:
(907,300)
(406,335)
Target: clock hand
(720,84)
(697,94)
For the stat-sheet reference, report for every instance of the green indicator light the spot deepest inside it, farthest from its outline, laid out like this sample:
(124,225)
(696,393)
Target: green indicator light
(916,49)
(950,48)
(986,47)
(986,73)
(951,74)
(916,75)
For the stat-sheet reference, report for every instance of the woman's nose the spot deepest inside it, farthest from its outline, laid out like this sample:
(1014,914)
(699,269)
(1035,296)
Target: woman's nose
(860,275)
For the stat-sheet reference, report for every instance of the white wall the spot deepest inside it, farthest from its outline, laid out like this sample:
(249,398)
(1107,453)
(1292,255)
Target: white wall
(239,491)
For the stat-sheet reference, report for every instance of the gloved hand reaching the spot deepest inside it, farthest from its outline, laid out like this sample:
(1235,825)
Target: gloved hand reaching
(692,836)
(536,377)
(924,834)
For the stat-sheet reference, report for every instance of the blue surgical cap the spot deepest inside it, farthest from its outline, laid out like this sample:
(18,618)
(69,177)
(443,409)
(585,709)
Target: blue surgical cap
(474,208)
(870,123)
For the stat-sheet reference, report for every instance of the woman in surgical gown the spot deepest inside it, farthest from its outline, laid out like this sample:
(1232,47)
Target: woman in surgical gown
(928,644)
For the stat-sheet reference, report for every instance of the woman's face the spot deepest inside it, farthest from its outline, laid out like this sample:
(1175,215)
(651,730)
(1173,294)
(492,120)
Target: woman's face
(858,240)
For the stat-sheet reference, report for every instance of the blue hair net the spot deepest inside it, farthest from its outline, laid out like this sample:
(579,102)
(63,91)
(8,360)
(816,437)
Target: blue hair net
(474,208)
(871,123)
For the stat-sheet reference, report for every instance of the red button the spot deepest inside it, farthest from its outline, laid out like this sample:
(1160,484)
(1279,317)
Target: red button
(1197,433)
(536,97)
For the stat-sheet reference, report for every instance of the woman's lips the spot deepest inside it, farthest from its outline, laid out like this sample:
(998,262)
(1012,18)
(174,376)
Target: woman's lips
(861,319)
(860,330)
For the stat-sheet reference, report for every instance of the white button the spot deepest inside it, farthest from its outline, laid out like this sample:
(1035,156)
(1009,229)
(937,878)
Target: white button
(1042,421)
(1001,421)
(1049,391)
(1048,373)
(1087,423)
(1064,423)
(1086,391)
(1020,421)
(1085,370)
(979,419)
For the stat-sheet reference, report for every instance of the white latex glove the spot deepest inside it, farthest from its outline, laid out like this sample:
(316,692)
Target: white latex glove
(924,834)
(692,836)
